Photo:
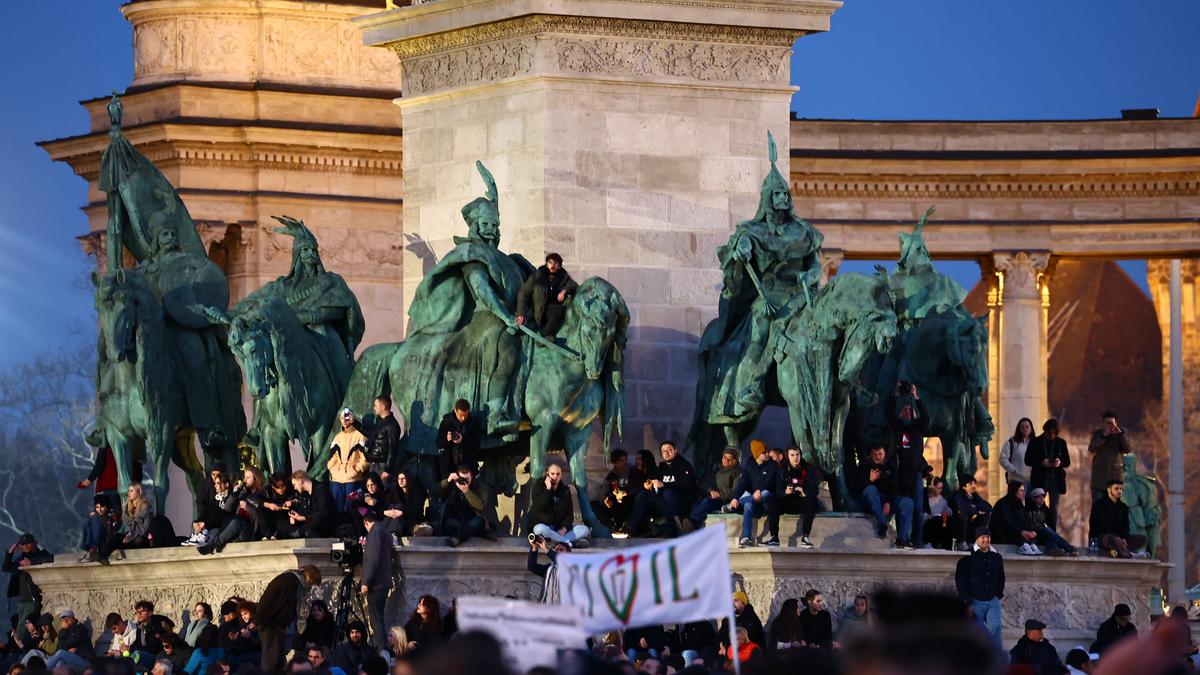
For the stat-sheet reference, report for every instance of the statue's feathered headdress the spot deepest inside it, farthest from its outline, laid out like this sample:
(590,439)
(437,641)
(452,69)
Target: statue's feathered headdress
(912,246)
(489,202)
(302,235)
(773,182)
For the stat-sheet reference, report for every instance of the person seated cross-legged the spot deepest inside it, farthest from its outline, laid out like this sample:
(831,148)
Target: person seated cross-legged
(551,513)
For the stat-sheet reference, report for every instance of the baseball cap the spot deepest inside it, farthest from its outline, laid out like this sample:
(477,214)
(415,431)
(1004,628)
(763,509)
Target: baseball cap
(1034,624)
(1037,492)
(66,613)
(346,412)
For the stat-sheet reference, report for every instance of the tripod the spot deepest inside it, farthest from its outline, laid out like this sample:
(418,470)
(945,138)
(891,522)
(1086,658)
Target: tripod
(345,598)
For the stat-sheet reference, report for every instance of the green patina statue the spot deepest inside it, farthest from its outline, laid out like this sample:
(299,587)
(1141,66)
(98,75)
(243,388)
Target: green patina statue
(942,350)
(164,371)
(1145,501)
(295,339)
(779,340)
(465,342)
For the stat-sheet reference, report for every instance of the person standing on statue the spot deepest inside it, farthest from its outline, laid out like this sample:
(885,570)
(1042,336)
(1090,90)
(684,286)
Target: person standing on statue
(1108,443)
(347,463)
(383,443)
(908,422)
(543,296)
(1048,459)
(771,267)
(458,437)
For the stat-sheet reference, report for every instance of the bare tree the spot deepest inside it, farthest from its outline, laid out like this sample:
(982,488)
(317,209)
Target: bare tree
(1152,446)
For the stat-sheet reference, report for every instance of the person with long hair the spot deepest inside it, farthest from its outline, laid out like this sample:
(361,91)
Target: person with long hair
(801,483)
(786,631)
(136,517)
(404,504)
(398,643)
(248,495)
(273,515)
(1012,453)
(371,498)
(424,627)
(319,627)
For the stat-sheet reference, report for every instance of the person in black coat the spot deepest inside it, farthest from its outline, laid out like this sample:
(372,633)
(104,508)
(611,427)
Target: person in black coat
(816,622)
(1108,523)
(383,443)
(544,295)
(972,510)
(649,516)
(319,627)
(458,438)
(24,553)
(551,514)
(877,476)
(1049,459)
(405,503)
(1035,650)
(757,493)
(908,422)
(801,484)
(312,510)
(744,616)
(376,575)
(276,610)
(273,515)
(679,481)
(979,578)
(351,653)
(1010,522)
(1115,628)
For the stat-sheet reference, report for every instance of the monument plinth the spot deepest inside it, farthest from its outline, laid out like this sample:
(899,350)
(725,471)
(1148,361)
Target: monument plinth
(628,136)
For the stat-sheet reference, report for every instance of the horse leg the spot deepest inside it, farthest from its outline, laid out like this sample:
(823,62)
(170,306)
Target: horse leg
(950,458)
(122,449)
(577,447)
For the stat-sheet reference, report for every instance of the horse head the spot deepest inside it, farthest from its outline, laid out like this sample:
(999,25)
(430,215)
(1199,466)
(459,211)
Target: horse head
(250,341)
(117,302)
(967,345)
(600,318)
(872,332)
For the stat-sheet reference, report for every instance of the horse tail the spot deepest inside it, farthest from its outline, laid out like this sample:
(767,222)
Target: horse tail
(370,377)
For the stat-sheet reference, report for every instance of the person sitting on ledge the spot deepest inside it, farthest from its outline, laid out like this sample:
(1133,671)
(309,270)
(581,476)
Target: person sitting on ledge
(465,508)
(756,494)
(1013,524)
(801,483)
(720,493)
(1108,524)
(551,512)
(101,523)
(544,294)
(649,515)
(972,510)
(878,478)
(404,503)
(311,513)
(614,506)
(941,525)
(273,516)
(679,482)
(248,498)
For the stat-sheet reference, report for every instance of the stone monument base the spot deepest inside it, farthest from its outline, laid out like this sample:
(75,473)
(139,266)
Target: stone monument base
(1071,595)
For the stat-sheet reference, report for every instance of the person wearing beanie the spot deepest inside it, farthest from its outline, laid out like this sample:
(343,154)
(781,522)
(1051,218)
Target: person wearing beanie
(744,616)
(351,653)
(979,578)
(757,493)
(972,510)
(1115,628)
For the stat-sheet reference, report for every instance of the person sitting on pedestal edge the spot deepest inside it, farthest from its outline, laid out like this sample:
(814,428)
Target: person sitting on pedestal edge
(464,513)
(649,515)
(101,523)
(1013,524)
(720,493)
(941,526)
(215,513)
(458,437)
(312,510)
(551,513)
(1108,524)
(614,507)
(679,482)
(908,422)
(544,294)
(972,510)
(273,517)
(801,483)
(757,494)
(348,461)
(878,478)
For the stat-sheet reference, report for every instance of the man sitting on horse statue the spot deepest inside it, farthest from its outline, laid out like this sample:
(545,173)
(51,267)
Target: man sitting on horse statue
(770,262)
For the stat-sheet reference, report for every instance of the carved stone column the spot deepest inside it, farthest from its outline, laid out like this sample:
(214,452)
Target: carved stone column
(627,136)
(1023,302)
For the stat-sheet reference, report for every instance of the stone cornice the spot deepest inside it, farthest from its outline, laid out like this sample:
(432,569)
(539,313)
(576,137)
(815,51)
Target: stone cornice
(593,26)
(993,186)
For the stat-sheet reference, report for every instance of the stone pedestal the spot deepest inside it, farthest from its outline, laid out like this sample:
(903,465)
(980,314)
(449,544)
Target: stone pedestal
(627,135)
(1071,595)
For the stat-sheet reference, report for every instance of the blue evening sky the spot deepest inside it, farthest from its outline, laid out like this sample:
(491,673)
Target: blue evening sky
(884,59)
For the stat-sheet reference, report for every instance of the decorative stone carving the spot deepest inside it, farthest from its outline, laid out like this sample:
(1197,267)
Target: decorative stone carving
(370,253)
(477,64)
(1021,273)
(95,244)
(676,59)
(1057,187)
(211,232)
(831,260)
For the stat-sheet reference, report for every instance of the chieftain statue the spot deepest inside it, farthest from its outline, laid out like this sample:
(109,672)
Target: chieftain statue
(295,339)
(780,339)
(164,372)
(465,342)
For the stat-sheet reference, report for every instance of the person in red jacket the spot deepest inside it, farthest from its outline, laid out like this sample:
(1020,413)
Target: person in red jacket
(748,653)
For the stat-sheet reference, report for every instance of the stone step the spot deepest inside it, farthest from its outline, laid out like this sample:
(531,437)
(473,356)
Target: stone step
(833,531)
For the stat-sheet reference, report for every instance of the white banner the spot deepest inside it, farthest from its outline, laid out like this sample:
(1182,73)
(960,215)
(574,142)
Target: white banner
(530,633)
(676,581)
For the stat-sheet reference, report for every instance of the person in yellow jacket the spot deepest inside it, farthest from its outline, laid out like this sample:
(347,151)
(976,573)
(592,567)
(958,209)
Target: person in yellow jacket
(348,460)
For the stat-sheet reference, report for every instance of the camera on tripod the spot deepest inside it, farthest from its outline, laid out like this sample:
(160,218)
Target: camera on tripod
(346,553)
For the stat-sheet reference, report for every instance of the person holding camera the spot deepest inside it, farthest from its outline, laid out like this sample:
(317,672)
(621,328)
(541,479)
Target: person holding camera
(547,571)
(465,502)
(908,422)
(458,437)
(1107,446)
(551,513)
(376,580)
(348,461)
(311,510)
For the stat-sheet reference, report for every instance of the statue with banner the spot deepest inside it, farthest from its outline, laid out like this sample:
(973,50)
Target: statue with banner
(164,372)
(295,339)
(465,343)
